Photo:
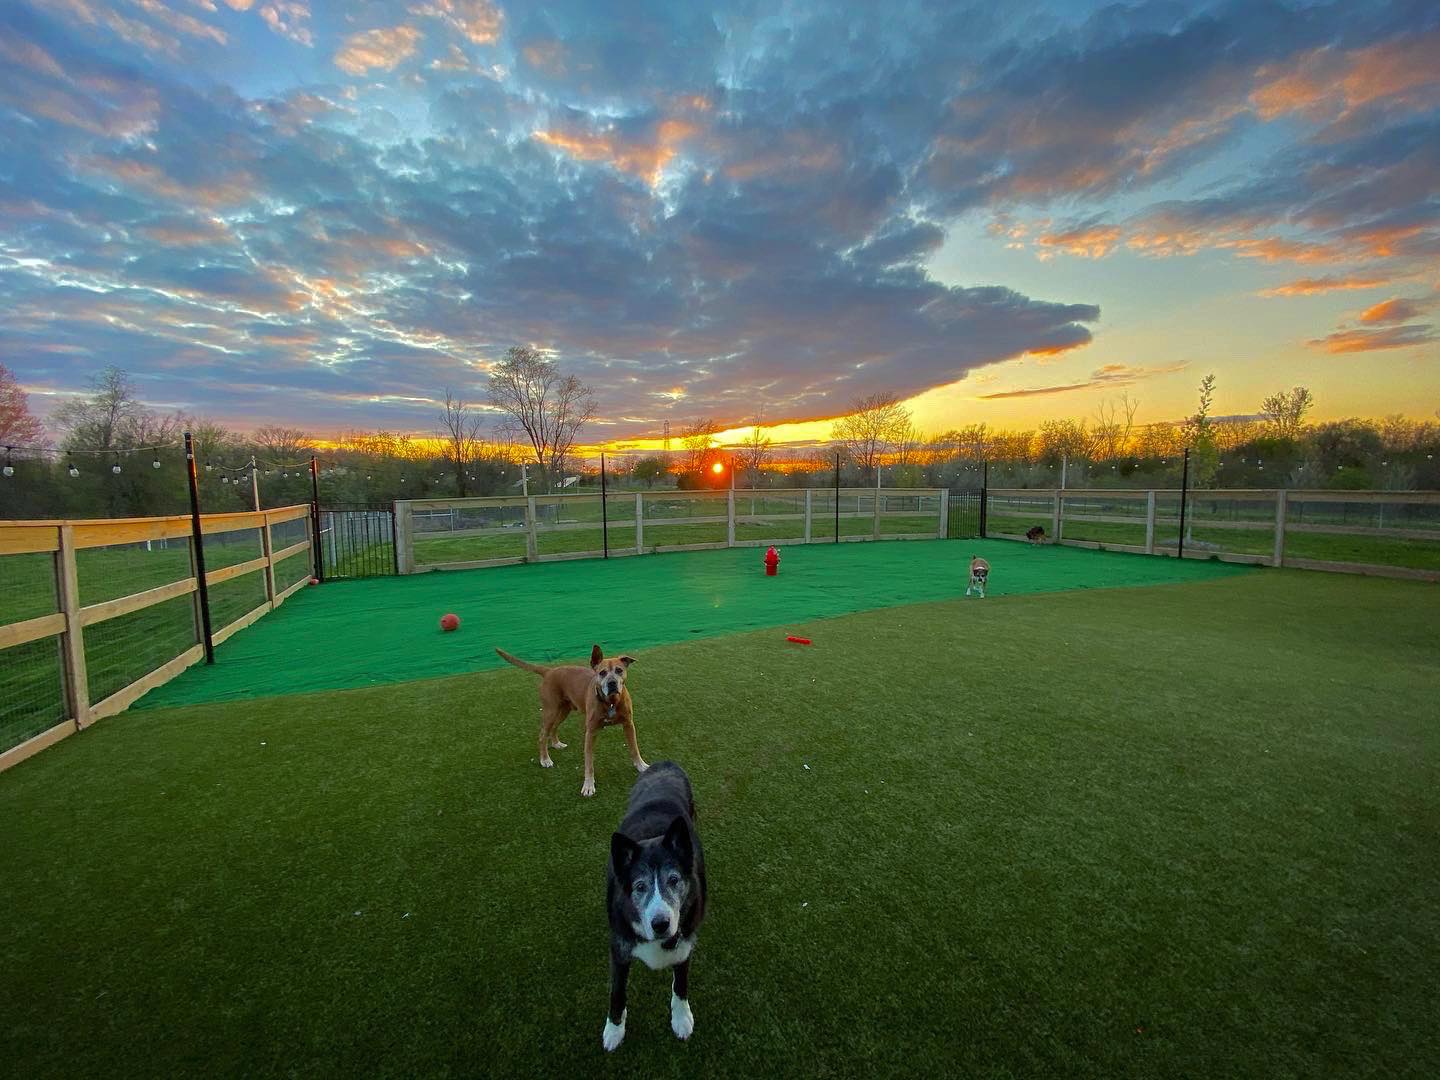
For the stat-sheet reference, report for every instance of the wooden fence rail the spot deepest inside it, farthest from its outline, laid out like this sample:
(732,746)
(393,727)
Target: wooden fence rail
(808,511)
(1266,510)
(62,540)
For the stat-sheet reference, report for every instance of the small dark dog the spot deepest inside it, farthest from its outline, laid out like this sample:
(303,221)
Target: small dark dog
(655,893)
(1035,534)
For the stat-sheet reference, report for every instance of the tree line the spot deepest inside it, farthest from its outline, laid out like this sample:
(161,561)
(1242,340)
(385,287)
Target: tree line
(108,454)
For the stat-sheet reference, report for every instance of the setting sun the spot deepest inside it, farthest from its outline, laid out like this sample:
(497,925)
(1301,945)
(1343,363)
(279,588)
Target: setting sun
(718,468)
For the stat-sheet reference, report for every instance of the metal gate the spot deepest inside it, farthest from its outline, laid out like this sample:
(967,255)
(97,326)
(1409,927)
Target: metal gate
(357,542)
(964,523)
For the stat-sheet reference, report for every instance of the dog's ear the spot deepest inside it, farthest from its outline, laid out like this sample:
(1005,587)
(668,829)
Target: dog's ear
(627,660)
(677,839)
(622,852)
(596,656)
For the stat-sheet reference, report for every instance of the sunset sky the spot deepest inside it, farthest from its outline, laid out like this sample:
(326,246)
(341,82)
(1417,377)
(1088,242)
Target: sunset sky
(326,214)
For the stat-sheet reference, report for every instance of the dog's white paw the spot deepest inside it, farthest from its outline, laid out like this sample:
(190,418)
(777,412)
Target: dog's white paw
(614,1034)
(546,763)
(682,1020)
(557,745)
(642,765)
(588,788)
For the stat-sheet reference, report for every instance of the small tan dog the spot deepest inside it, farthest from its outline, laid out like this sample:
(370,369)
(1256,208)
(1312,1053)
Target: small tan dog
(598,692)
(979,575)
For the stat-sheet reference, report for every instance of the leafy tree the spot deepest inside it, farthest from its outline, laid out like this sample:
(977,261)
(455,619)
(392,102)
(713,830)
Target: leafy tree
(649,469)
(1285,411)
(18,425)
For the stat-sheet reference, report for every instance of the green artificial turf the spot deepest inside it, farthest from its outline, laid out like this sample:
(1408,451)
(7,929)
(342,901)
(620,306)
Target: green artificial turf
(1185,831)
(385,630)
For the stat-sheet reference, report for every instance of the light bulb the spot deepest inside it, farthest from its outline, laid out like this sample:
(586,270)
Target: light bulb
(74,472)
(9,469)
(155,464)
(115,469)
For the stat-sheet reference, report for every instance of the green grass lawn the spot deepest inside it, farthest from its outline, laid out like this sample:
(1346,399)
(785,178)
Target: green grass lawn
(1185,830)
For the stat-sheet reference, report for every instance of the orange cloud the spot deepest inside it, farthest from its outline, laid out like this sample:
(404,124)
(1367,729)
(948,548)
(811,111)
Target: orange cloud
(1390,311)
(381,49)
(478,20)
(1315,285)
(1086,241)
(1330,83)
(1394,337)
(644,159)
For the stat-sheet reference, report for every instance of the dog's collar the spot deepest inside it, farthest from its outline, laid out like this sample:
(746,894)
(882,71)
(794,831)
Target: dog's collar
(671,942)
(609,709)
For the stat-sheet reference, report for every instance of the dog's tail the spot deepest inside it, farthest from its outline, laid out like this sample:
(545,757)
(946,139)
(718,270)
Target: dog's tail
(536,668)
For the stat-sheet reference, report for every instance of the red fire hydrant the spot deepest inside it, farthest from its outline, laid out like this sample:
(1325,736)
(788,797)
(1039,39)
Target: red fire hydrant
(772,562)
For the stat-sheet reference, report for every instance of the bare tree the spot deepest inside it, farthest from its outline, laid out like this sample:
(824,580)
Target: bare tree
(755,452)
(871,428)
(18,425)
(698,439)
(548,407)
(105,420)
(1114,422)
(906,440)
(283,443)
(1285,411)
(460,431)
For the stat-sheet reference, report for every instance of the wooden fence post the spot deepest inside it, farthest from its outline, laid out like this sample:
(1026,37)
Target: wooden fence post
(1150,522)
(809,513)
(532,547)
(404,537)
(944,529)
(639,523)
(1282,500)
(67,589)
(730,517)
(267,547)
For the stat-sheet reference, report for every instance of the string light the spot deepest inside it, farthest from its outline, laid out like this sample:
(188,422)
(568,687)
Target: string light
(74,472)
(155,464)
(9,469)
(116,467)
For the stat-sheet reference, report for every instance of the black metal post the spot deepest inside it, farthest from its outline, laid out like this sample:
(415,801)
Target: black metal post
(394,542)
(604,512)
(197,540)
(315,519)
(837,498)
(984,499)
(1184,487)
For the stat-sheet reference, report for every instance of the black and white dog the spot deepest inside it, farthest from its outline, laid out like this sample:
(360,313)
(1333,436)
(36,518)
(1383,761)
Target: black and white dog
(655,893)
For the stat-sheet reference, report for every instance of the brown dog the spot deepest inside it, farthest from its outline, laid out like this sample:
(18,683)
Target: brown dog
(598,692)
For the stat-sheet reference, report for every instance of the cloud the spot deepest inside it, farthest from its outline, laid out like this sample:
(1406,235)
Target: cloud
(1391,311)
(288,18)
(1092,240)
(380,49)
(1329,283)
(1109,375)
(1395,337)
(666,196)
(478,20)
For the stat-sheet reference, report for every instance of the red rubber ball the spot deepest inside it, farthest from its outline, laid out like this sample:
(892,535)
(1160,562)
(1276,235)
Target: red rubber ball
(449,622)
